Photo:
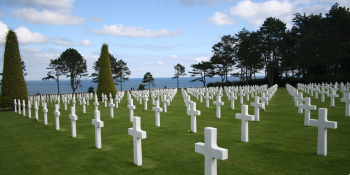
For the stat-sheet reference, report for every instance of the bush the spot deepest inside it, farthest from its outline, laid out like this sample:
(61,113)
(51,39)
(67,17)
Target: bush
(141,87)
(91,89)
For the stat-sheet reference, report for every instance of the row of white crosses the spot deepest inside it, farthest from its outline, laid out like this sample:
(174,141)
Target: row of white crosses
(322,123)
(343,88)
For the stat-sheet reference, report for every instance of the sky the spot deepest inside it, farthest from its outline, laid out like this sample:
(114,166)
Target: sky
(150,36)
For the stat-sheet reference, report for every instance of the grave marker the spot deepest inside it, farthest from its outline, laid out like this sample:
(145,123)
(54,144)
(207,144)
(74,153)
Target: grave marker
(307,107)
(73,118)
(157,109)
(245,117)
(193,112)
(211,151)
(137,134)
(322,123)
(57,116)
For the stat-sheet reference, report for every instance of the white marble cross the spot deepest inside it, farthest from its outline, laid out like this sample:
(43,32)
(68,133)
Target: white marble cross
(29,110)
(111,106)
(322,123)
(105,100)
(165,101)
(98,125)
(137,134)
(307,107)
(256,105)
(211,151)
(45,110)
(300,102)
(19,106)
(245,117)
(207,97)
(241,94)
(157,110)
(57,114)
(193,112)
(188,102)
(322,92)
(346,99)
(131,107)
(96,102)
(332,95)
(73,118)
(84,107)
(24,107)
(145,99)
(116,100)
(36,108)
(232,98)
(218,104)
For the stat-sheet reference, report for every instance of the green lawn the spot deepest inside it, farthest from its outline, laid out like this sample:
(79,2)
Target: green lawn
(278,143)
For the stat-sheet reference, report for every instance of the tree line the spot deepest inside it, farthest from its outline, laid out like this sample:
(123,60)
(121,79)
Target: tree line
(316,46)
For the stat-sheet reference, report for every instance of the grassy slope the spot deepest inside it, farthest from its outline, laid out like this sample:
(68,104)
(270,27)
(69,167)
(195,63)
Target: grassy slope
(278,144)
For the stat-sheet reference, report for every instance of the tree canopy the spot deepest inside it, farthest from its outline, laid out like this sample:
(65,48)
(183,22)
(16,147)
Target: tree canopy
(148,79)
(179,71)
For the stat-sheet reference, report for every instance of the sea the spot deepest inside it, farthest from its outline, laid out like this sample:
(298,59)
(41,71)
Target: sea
(50,87)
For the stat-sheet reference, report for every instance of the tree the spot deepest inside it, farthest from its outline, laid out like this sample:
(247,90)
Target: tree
(271,34)
(105,80)
(148,79)
(73,66)
(338,38)
(91,89)
(121,73)
(248,54)
(223,58)
(179,71)
(203,69)
(96,67)
(13,83)
(141,87)
(54,73)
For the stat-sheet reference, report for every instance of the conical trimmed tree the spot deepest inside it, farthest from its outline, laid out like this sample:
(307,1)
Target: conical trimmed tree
(13,84)
(105,80)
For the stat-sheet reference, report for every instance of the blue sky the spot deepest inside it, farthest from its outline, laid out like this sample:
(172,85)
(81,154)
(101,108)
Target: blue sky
(149,35)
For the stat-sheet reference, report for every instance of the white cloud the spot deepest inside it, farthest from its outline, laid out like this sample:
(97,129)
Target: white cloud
(199,59)
(3,32)
(39,56)
(110,52)
(146,62)
(26,36)
(256,13)
(51,4)
(160,62)
(220,19)
(120,30)
(173,56)
(48,17)
(141,69)
(85,43)
(96,19)
(64,42)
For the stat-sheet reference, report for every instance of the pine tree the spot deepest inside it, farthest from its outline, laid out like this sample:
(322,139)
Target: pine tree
(105,80)
(13,83)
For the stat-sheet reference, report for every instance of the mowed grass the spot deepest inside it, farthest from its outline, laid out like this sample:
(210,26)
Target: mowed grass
(278,143)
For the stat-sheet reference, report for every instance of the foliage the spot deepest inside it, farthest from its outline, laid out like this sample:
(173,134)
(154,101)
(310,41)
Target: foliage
(55,73)
(105,80)
(91,89)
(141,87)
(13,83)
(179,71)
(148,79)
(203,69)
(223,56)
(121,73)
(73,66)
